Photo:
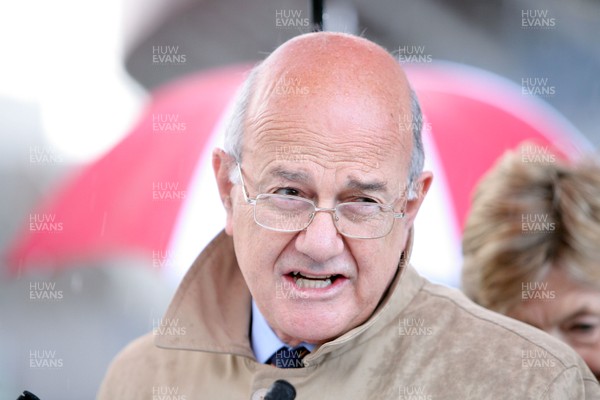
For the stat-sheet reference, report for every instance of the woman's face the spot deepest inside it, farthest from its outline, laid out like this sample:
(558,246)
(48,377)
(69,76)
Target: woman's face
(566,309)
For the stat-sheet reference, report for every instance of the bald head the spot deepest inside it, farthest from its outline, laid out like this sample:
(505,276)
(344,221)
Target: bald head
(327,74)
(334,63)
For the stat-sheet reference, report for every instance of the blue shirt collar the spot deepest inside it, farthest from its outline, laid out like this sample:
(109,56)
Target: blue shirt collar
(264,341)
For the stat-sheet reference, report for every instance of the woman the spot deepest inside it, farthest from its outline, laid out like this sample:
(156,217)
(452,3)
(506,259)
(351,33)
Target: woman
(531,246)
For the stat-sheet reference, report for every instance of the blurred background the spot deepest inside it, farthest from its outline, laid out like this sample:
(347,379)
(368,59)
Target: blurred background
(81,83)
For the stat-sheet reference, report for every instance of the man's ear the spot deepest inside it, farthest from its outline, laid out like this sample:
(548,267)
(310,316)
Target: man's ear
(222,163)
(419,190)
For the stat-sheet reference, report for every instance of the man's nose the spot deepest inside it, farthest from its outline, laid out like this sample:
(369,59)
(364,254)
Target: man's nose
(321,240)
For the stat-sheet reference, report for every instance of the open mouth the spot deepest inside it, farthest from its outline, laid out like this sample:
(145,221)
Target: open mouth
(304,281)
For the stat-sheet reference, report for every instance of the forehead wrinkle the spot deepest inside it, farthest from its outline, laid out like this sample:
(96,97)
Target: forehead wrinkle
(362,156)
(387,129)
(372,146)
(367,143)
(267,120)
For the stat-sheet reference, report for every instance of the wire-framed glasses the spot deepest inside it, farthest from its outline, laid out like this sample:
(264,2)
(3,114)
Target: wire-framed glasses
(285,213)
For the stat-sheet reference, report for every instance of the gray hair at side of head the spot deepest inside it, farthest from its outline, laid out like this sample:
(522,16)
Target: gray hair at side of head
(235,131)
(417,157)
(235,128)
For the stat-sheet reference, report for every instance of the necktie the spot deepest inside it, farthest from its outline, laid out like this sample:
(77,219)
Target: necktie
(288,358)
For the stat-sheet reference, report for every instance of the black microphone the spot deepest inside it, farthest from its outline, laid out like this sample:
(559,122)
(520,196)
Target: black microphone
(281,390)
(30,396)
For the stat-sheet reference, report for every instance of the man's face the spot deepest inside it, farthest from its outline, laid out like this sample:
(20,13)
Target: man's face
(566,309)
(329,150)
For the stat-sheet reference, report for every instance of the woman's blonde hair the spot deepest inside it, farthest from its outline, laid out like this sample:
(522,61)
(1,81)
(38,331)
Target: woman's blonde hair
(531,212)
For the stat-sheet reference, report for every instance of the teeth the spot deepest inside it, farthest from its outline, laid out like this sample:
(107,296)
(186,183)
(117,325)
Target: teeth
(313,283)
(311,276)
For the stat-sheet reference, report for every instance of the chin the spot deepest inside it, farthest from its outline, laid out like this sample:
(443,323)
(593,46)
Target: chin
(314,329)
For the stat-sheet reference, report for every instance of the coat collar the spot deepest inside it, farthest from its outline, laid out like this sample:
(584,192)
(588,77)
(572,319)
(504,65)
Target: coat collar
(211,307)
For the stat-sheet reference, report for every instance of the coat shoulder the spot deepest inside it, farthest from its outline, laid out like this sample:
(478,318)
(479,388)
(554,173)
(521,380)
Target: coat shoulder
(126,375)
(512,352)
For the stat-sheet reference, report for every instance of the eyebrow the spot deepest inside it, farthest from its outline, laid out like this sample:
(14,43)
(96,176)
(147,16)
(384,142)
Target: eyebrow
(372,186)
(293,176)
(583,310)
(353,183)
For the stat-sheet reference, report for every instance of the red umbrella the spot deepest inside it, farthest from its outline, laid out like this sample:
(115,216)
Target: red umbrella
(144,194)
(129,199)
(473,117)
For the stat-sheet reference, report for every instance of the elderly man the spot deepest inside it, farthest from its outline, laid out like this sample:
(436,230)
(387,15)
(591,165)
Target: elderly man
(321,180)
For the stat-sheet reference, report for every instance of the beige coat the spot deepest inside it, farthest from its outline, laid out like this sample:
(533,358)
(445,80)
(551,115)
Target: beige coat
(423,342)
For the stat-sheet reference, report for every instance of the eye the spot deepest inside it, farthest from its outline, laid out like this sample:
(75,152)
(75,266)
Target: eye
(581,327)
(288,191)
(360,199)
(365,200)
(585,329)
